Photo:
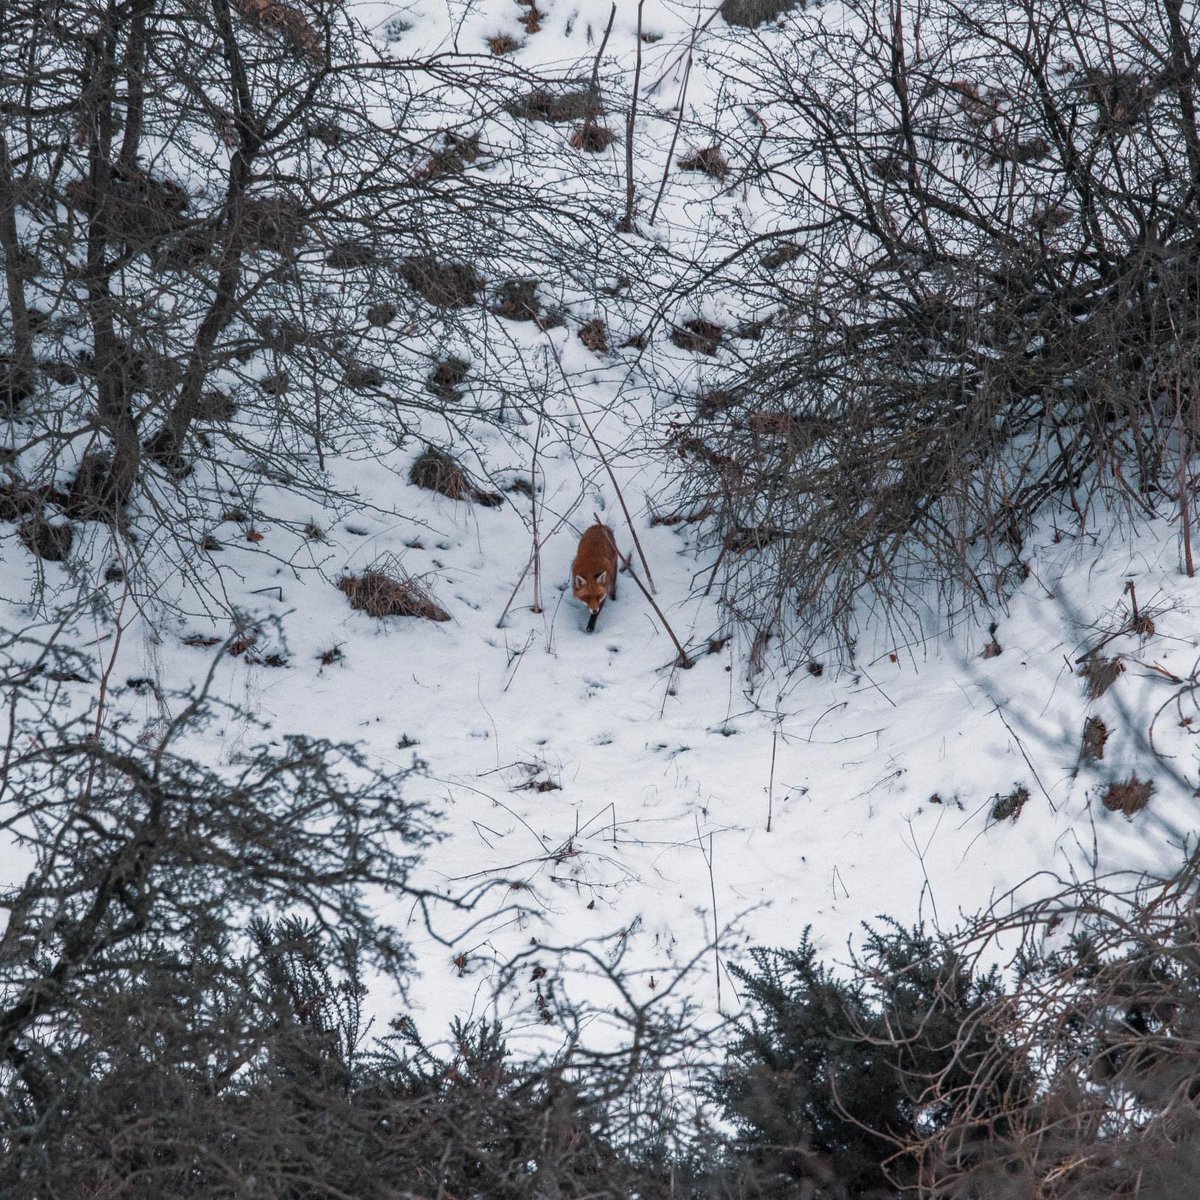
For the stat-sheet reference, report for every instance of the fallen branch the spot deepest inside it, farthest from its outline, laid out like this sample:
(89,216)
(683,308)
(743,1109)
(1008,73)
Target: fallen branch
(685,660)
(605,463)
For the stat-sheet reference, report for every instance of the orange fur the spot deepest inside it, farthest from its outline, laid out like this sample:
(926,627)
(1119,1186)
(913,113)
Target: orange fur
(594,571)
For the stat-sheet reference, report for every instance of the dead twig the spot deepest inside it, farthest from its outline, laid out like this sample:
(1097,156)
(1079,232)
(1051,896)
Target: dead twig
(685,660)
(771,780)
(626,225)
(662,186)
(589,117)
(606,465)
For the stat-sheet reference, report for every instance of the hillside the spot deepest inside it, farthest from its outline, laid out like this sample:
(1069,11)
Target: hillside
(902,458)
(600,790)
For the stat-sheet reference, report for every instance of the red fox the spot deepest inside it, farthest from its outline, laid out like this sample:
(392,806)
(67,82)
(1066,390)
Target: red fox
(594,571)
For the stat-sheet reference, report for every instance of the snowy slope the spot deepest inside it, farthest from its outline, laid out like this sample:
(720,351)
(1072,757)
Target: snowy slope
(878,780)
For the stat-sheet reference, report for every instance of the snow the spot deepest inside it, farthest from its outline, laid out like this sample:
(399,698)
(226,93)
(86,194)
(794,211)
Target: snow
(660,781)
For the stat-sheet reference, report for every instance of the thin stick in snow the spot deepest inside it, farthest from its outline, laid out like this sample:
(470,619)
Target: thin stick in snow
(771,781)
(662,187)
(605,463)
(537,546)
(834,880)
(589,116)
(106,674)
(613,480)
(625,225)
(1185,451)
(712,891)
(537,550)
(685,660)
(696,32)
(999,711)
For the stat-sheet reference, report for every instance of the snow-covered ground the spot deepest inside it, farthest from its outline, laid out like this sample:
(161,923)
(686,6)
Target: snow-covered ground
(605,792)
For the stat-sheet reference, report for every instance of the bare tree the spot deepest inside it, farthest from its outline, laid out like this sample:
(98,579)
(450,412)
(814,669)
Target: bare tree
(1102,1013)
(239,241)
(984,283)
(183,970)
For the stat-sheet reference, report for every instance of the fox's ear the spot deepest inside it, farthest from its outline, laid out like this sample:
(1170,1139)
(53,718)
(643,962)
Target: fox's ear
(602,577)
(580,581)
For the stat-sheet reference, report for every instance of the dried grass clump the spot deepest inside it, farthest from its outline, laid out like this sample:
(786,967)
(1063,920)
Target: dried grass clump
(503,43)
(442,284)
(785,252)
(891,168)
(1100,673)
(381,313)
(592,138)
(546,104)
(452,157)
(17,500)
(465,145)
(350,253)
(775,424)
(1095,735)
(141,207)
(1017,150)
(185,251)
(681,517)
(446,378)
(1122,97)
(1129,797)
(363,377)
(437,472)
(753,331)
(1142,624)
(533,16)
(275,384)
(749,14)
(710,161)
(594,335)
(747,539)
(49,542)
(286,20)
(283,335)
(714,402)
(328,133)
(272,223)
(517,300)
(143,369)
(1011,804)
(539,785)
(391,593)
(54,369)
(1049,217)
(698,335)
(95,494)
